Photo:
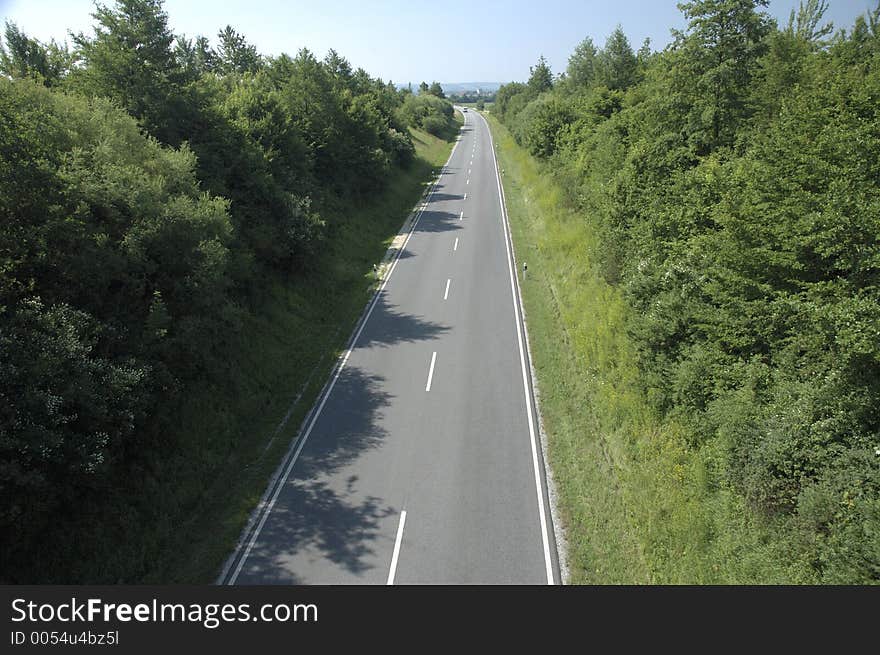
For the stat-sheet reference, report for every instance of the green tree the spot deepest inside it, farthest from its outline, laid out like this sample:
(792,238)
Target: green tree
(540,122)
(806,23)
(581,69)
(433,114)
(23,57)
(616,63)
(339,67)
(68,411)
(130,59)
(717,58)
(504,99)
(196,56)
(235,54)
(540,77)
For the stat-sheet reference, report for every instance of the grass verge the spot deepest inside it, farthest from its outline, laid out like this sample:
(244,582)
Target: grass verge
(638,504)
(573,325)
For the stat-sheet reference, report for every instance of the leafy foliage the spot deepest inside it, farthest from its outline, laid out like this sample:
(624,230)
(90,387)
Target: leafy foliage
(147,198)
(733,183)
(428,112)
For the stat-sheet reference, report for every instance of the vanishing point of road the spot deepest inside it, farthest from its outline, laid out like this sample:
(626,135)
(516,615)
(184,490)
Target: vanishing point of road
(421,461)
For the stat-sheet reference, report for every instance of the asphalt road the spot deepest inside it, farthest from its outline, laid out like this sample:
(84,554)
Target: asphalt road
(421,463)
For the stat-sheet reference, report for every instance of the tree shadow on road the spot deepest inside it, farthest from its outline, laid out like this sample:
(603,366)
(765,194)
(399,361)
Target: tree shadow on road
(388,327)
(440,197)
(433,220)
(317,516)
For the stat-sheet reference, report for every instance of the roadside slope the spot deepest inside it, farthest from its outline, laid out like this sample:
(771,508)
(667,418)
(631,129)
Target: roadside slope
(228,433)
(638,502)
(286,356)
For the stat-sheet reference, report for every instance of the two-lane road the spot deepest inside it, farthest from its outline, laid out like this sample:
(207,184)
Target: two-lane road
(421,462)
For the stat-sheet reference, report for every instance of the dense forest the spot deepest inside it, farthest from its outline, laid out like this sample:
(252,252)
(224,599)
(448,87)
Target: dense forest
(150,185)
(733,180)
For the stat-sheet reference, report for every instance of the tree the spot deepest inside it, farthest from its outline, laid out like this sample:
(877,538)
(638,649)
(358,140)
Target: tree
(540,77)
(23,57)
(540,122)
(67,412)
(235,54)
(423,88)
(782,66)
(617,64)
(195,56)
(130,59)
(644,53)
(717,59)
(428,112)
(504,98)
(339,66)
(581,69)
(436,90)
(805,24)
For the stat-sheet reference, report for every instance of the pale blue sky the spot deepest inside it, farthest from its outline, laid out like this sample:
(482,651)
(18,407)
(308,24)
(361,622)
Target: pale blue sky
(413,40)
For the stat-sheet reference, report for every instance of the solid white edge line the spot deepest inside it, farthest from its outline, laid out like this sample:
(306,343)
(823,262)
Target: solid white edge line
(548,562)
(301,442)
(431,371)
(397,541)
(446,293)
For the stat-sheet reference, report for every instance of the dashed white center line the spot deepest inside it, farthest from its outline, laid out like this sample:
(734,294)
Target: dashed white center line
(446,293)
(431,372)
(465,196)
(468,182)
(396,552)
(455,245)
(469,171)
(461,215)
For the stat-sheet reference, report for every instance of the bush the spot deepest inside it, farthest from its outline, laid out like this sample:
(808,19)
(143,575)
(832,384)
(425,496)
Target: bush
(435,125)
(430,113)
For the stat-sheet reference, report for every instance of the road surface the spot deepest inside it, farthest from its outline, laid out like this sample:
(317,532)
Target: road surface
(421,462)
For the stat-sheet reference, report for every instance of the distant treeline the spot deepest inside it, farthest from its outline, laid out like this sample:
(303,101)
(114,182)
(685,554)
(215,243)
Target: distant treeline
(148,184)
(473,96)
(734,179)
